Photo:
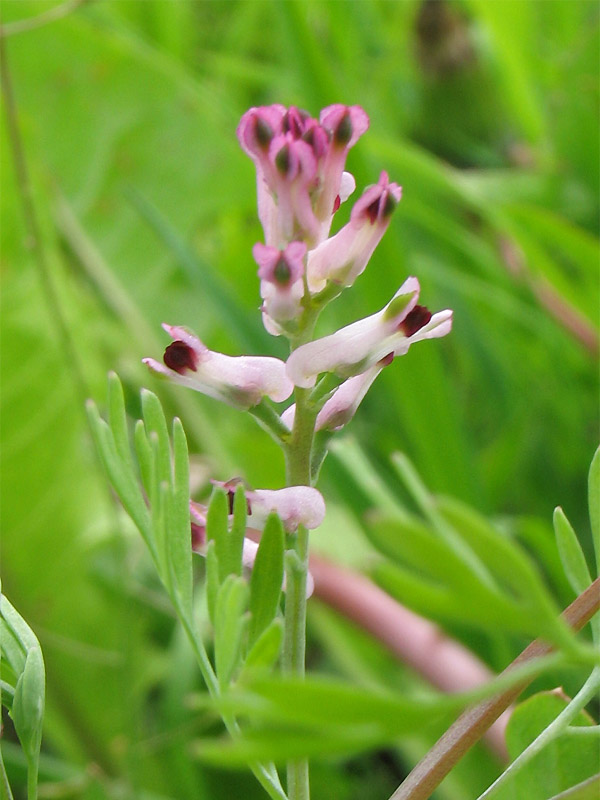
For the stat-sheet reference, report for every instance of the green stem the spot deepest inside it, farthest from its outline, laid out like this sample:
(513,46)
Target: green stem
(32,781)
(298,466)
(5,790)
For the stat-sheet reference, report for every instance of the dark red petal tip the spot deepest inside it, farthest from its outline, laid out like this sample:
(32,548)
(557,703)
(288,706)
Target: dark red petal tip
(415,320)
(282,272)
(264,133)
(180,357)
(343,132)
(386,360)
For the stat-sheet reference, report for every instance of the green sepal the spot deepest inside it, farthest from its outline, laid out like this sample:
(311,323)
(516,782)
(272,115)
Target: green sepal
(267,577)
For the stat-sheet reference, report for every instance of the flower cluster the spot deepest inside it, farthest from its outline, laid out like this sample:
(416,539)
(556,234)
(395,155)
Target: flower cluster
(301,182)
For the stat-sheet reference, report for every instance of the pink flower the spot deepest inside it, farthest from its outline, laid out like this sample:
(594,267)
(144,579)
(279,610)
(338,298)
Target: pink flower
(300,167)
(356,348)
(281,274)
(344,256)
(295,505)
(345,125)
(239,381)
(341,407)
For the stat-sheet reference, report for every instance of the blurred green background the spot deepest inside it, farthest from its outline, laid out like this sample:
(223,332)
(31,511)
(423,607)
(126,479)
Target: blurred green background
(485,112)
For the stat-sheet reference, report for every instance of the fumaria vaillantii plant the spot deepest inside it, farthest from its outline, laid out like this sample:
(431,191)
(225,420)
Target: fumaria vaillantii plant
(301,182)
(256,542)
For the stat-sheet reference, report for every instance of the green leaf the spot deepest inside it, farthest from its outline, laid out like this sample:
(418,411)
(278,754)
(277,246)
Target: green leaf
(212,580)
(571,554)
(179,520)
(121,477)
(586,790)
(265,651)
(594,503)
(235,546)
(447,531)
(154,419)
(284,745)
(267,577)
(443,603)
(13,652)
(118,419)
(230,624)
(217,527)
(28,704)
(511,566)
(561,763)
(409,541)
(21,650)
(144,455)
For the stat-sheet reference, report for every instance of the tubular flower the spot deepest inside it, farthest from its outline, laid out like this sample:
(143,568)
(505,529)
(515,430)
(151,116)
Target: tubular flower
(281,275)
(341,407)
(344,256)
(300,167)
(344,125)
(356,348)
(239,381)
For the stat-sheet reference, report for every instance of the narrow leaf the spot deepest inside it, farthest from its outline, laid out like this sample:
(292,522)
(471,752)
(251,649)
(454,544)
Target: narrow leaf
(28,704)
(266,649)
(13,652)
(267,577)
(179,531)
(217,528)
(154,418)
(212,580)
(238,531)
(230,624)
(118,418)
(594,503)
(144,454)
(122,479)
(571,554)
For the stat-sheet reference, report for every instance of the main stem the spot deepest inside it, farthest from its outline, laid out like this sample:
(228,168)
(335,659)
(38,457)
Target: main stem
(298,456)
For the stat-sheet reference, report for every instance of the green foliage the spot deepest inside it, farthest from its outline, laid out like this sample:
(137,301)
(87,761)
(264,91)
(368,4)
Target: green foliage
(23,689)
(267,577)
(569,759)
(147,213)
